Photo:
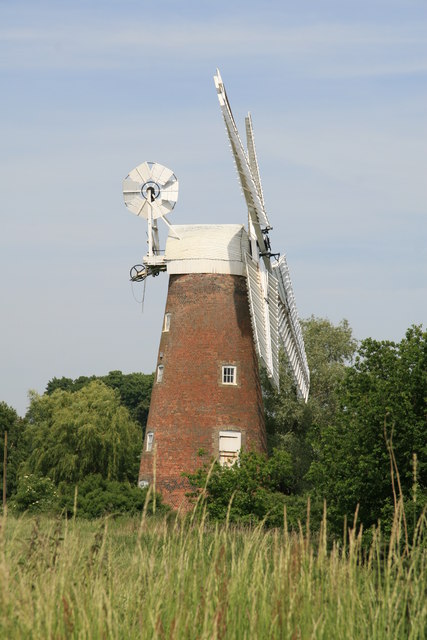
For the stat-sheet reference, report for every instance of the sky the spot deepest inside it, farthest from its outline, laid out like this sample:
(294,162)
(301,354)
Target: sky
(338,96)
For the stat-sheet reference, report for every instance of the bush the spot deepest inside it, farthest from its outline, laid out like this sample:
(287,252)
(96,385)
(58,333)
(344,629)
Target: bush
(35,494)
(97,497)
(251,491)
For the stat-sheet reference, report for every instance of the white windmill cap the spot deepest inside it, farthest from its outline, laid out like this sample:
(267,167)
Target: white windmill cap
(207,248)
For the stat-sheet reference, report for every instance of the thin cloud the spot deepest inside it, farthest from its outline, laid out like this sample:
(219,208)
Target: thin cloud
(106,46)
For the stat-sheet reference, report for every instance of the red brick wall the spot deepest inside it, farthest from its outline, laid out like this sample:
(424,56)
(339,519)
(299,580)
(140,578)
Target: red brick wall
(210,326)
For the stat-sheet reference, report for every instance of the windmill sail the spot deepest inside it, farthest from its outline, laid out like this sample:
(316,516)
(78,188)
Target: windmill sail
(264,310)
(253,162)
(273,314)
(290,329)
(257,309)
(271,299)
(254,203)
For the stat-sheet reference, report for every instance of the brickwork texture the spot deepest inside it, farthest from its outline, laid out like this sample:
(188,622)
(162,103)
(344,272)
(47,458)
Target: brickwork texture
(210,327)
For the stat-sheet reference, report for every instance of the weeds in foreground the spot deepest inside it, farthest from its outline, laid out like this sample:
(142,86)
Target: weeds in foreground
(183,578)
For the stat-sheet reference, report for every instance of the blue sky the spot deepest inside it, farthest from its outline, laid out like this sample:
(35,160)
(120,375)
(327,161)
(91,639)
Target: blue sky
(338,96)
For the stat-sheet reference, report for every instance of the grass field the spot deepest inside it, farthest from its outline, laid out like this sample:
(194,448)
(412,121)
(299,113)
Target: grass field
(173,578)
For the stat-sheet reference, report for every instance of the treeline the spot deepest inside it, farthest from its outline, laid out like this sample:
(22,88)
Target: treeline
(358,443)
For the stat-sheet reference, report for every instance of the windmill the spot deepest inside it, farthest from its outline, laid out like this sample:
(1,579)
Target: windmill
(230,304)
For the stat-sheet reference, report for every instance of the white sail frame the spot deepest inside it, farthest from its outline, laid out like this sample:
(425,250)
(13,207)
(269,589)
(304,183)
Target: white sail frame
(290,328)
(263,306)
(271,300)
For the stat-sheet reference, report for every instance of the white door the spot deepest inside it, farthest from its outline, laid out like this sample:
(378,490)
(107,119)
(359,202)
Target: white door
(230,443)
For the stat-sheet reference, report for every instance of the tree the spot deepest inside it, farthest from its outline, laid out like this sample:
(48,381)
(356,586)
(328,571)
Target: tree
(293,424)
(134,389)
(135,392)
(13,424)
(68,384)
(383,413)
(73,434)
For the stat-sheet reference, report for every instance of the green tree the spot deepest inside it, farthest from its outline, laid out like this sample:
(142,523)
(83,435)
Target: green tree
(68,384)
(71,435)
(13,424)
(383,406)
(294,425)
(134,390)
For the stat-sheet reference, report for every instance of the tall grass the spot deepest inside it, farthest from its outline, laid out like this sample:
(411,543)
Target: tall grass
(183,578)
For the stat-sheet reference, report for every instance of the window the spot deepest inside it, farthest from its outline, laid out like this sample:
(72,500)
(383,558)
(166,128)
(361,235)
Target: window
(229,375)
(167,322)
(160,373)
(230,443)
(150,438)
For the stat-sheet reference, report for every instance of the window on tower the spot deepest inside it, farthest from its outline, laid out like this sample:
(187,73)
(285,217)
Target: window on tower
(150,440)
(167,322)
(230,443)
(229,374)
(160,373)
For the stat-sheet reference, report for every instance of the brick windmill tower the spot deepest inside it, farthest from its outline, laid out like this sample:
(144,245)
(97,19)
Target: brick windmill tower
(228,306)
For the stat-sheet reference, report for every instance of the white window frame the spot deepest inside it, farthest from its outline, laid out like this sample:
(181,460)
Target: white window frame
(229,446)
(167,322)
(149,441)
(160,371)
(229,374)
